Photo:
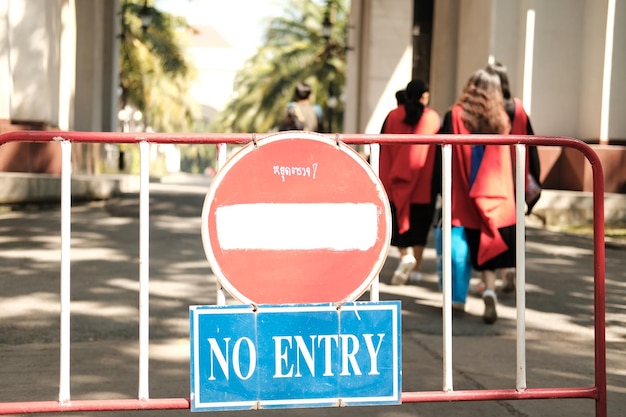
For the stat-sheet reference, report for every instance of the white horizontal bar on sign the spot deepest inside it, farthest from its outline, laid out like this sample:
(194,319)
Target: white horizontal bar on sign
(297,226)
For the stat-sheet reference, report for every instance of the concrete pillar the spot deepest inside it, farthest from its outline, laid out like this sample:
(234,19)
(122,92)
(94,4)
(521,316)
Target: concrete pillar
(443,74)
(354,70)
(474,38)
(6,82)
(89,65)
(383,61)
(37,61)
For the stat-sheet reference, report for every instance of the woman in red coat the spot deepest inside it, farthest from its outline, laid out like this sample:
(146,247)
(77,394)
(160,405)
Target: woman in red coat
(520,125)
(406,172)
(483,200)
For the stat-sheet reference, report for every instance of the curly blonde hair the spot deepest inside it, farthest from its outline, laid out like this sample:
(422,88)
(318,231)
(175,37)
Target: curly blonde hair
(483,104)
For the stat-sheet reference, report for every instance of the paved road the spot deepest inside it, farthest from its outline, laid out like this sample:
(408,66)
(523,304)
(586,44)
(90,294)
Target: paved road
(104,325)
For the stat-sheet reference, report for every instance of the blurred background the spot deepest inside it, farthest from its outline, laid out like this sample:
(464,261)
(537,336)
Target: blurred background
(231,66)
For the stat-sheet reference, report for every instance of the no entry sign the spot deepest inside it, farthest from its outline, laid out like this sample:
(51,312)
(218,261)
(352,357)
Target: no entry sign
(296,218)
(295,355)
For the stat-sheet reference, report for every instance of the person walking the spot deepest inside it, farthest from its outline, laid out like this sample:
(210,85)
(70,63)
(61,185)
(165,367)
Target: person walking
(483,200)
(406,172)
(520,125)
(301,114)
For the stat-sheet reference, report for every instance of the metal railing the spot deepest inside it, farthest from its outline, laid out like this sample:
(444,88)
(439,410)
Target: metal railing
(597,392)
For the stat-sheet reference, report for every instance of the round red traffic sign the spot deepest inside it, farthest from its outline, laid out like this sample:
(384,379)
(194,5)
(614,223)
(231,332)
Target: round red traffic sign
(296,218)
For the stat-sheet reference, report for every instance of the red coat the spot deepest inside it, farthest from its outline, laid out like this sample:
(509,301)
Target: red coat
(406,170)
(520,120)
(490,202)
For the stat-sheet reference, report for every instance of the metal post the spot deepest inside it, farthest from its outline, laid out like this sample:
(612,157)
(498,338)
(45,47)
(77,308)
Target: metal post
(375,163)
(221,160)
(520,267)
(66,221)
(446,251)
(144,269)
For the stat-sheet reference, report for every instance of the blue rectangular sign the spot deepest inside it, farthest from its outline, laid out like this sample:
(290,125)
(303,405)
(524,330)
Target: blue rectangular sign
(300,355)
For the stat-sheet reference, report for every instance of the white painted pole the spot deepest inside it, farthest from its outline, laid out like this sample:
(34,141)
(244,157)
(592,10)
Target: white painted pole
(222,155)
(446,251)
(144,269)
(520,270)
(221,160)
(375,164)
(528,60)
(66,221)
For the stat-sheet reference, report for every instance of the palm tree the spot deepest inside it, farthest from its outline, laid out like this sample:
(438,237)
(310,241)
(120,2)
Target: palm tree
(308,44)
(155,76)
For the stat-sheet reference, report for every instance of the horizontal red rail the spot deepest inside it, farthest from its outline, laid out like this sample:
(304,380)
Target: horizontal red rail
(93,405)
(499,394)
(183,403)
(243,138)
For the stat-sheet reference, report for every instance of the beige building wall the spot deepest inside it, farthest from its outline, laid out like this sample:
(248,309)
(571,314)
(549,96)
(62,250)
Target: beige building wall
(557,71)
(37,59)
(590,62)
(89,68)
(5,63)
(568,85)
(59,63)
(474,38)
(444,57)
(379,64)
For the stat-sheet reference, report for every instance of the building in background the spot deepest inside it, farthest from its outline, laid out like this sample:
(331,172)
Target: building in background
(58,66)
(565,60)
(58,70)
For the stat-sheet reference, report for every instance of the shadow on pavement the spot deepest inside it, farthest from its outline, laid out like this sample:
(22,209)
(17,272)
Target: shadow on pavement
(104,321)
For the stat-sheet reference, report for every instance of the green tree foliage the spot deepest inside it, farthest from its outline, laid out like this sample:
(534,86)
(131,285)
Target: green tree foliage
(155,76)
(295,49)
(196,158)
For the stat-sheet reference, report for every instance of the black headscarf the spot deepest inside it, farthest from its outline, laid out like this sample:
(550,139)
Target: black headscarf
(414,108)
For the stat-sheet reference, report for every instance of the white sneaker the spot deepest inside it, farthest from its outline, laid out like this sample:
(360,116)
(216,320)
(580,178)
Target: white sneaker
(401,275)
(490,299)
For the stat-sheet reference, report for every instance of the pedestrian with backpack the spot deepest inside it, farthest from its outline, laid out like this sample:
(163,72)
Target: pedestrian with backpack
(301,114)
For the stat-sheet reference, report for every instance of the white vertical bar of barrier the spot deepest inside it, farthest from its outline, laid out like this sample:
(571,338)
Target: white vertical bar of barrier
(144,269)
(222,155)
(520,270)
(66,221)
(446,250)
(221,160)
(375,164)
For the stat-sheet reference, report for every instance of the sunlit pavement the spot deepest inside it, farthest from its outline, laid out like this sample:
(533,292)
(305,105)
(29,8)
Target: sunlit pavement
(104,325)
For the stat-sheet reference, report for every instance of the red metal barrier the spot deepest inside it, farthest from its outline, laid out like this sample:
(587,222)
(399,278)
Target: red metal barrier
(597,392)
